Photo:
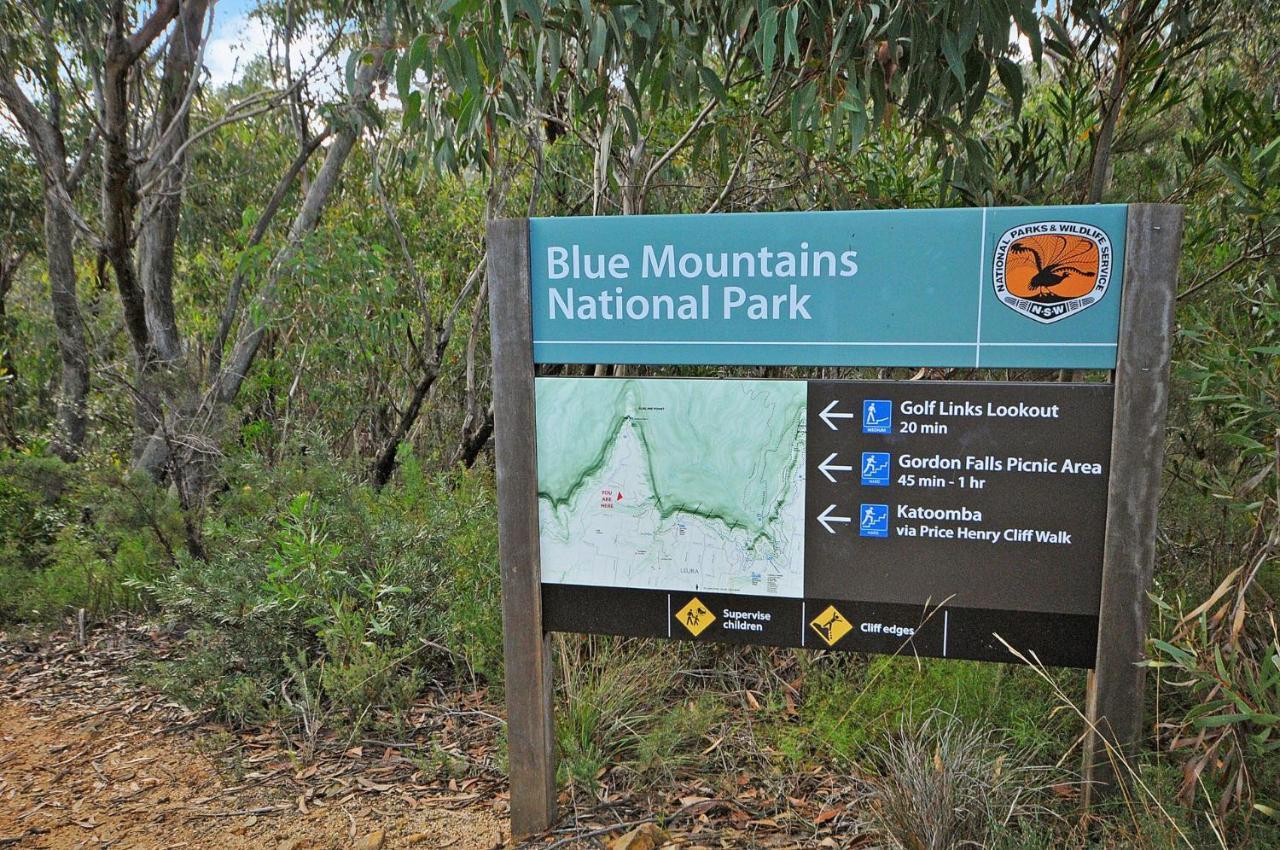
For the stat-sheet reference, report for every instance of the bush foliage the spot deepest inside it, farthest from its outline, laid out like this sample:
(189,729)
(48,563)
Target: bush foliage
(306,584)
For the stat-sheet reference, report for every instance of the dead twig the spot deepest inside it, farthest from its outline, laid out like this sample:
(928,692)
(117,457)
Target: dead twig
(260,810)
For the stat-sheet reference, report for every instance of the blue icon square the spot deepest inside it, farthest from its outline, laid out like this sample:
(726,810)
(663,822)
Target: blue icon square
(873,520)
(875,469)
(877,416)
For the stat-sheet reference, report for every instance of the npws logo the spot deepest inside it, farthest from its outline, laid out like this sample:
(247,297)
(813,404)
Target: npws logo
(1048,270)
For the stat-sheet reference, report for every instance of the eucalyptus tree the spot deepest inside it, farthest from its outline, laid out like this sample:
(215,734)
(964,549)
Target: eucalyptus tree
(92,63)
(133,75)
(660,93)
(1125,59)
(178,443)
(30,57)
(20,210)
(811,72)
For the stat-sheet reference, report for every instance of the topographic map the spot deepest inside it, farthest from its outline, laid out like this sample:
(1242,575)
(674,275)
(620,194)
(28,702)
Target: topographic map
(672,484)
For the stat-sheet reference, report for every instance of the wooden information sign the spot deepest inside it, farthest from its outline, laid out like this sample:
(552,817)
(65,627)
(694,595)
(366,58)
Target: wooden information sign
(937,518)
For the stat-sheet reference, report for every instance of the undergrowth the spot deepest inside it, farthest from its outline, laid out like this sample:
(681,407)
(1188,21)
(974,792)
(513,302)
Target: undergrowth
(323,600)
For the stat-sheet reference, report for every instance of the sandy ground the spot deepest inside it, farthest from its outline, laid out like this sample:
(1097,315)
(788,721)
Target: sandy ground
(87,764)
(98,781)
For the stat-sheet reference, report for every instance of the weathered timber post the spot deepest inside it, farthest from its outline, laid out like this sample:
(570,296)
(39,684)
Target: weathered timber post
(1115,700)
(526,646)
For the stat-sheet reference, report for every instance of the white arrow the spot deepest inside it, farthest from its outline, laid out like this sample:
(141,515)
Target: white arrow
(827,467)
(826,519)
(827,415)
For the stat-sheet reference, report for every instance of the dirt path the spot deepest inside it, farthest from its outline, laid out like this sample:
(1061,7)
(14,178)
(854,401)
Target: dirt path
(91,759)
(84,764)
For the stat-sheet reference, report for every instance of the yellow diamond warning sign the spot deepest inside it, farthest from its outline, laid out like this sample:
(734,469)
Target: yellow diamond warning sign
(830,625)
(695,616)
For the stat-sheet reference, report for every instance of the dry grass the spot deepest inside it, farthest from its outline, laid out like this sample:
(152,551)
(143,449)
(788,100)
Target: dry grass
(945,784)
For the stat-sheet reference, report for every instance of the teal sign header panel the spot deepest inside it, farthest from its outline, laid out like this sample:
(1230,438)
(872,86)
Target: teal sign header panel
(997,287)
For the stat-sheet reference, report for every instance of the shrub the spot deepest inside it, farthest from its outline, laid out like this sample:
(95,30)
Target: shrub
(31,512)
(945,784)
(613,692)
(322,597)
(1226,718)
(84,536)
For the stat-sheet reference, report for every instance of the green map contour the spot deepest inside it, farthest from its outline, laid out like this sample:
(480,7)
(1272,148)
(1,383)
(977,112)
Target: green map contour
(720,449)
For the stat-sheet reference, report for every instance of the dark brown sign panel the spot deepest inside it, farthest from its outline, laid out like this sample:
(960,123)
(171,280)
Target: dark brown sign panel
(936,516)
(987,495)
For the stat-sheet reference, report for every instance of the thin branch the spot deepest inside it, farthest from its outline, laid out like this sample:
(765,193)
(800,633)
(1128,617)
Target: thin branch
(1258,253)
(259,232)
(232,114)
(733,177)
(193,83)
(165,11)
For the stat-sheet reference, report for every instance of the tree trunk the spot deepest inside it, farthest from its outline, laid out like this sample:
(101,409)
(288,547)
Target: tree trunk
(118,201)
(1134,17)
(386,462)
(166,165)
(227,384)
(72,349)
(1100,168)
(49,151)
(8,369)
(475,441)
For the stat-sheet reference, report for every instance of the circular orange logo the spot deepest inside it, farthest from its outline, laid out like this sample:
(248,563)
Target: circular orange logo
(1050,269)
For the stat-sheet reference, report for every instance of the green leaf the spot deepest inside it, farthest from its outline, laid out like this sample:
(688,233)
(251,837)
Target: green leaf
(418,50)
(712,82)
(1232,175)
(553,60)
(599,34)
(1024,15)
(768,39)
(533,9)
(404,75)
(1061,40)
(1180,655)
(350,70)
(858,124)
(1266,155)
(1011,79)
(790,46)
(539,63)
(412,109)
(954,60)
(1220,720)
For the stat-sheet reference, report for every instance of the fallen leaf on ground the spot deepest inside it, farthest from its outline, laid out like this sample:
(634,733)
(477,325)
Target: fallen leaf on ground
(372,841)
(647,836)
(827,814)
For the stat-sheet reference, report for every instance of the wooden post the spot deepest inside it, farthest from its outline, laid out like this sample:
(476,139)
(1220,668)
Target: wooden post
(1115,697)
(526,646)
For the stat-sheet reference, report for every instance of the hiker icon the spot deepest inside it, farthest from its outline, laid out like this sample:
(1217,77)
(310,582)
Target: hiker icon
(877,416)
(831,625)
(875,469)
(873,521)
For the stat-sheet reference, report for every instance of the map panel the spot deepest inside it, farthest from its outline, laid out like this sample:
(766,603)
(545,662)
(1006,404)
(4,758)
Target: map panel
(673,484)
